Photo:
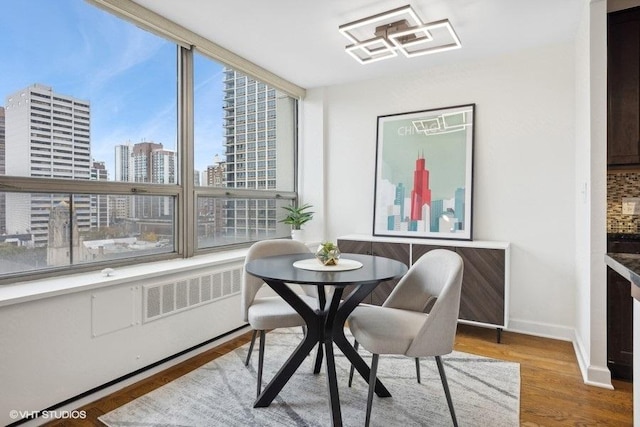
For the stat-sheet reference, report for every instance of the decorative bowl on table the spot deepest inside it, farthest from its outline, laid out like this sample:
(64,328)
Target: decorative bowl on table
(328,253)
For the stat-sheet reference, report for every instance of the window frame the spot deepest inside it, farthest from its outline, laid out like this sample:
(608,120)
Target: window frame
(185,192)
(16,184)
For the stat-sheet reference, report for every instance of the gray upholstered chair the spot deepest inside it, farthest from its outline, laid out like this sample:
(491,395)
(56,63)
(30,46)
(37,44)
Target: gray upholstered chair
(400,325)
(270,312)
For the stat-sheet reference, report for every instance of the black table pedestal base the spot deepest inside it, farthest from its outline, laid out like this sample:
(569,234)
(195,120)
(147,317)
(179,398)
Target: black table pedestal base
(325,327)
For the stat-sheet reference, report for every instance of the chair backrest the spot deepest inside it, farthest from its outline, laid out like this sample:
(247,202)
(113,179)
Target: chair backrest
(264,248)
(436,275)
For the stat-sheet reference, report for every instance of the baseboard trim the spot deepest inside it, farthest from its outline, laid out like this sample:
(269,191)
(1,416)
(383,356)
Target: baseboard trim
(598,376)
(106,389)
(544,330)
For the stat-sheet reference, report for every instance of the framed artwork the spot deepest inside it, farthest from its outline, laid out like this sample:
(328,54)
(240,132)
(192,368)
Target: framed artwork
(424,174)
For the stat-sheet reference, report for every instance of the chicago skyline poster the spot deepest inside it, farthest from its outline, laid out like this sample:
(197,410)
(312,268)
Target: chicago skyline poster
(424,174)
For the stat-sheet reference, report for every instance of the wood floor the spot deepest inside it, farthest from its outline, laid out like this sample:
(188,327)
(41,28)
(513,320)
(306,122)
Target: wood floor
(552,392)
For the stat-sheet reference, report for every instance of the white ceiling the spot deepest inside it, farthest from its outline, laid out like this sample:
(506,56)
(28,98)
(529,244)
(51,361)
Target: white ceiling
(299,39)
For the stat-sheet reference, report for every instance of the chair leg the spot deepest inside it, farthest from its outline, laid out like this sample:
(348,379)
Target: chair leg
(253,341)
(355,346)
(372,386)
(260,361)
(418,369)
(445,385)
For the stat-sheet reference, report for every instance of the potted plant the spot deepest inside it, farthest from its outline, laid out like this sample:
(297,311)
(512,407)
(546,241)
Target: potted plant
(296,217)
(328,253)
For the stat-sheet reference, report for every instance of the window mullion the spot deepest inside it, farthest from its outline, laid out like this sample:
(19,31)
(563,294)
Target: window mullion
(186,208)
(53,185)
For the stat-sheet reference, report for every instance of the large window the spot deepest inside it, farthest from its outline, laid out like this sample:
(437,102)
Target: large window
(95,162)
(231,153)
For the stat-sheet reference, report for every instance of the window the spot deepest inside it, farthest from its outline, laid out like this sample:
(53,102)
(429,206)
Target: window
(100,181)
(61,230)
(221,220)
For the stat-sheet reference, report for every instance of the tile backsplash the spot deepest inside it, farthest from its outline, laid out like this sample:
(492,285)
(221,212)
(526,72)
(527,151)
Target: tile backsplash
(619,185)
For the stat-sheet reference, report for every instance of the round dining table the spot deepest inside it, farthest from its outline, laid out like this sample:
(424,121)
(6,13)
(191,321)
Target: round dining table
(325,325)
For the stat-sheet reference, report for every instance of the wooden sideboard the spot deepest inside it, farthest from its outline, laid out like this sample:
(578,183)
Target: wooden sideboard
(485,282)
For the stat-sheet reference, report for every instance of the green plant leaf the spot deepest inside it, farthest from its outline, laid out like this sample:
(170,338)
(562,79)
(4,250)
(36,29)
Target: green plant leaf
(297,215)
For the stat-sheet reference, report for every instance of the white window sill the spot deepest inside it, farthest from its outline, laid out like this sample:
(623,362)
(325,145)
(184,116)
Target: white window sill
(46,288)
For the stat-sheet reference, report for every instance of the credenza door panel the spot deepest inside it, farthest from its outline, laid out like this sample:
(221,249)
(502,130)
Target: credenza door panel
(483,290)
(397,251)
(484,283)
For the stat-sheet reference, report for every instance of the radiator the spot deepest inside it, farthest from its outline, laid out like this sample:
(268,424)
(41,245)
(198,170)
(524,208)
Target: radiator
(173,296)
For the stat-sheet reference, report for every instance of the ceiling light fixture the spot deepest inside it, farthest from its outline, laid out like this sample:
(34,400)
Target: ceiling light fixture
(380,36)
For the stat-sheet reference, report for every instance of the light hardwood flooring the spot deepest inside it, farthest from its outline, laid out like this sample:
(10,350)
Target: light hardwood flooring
(552,391)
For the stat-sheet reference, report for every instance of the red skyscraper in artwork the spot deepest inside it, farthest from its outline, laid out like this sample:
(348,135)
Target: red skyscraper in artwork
(421,193)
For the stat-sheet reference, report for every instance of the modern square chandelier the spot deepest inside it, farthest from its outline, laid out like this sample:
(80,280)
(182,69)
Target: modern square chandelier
(381,36)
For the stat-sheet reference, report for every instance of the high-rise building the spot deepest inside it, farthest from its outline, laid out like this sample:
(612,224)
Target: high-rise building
(119,208)
(64,237)
(211,210)
(48,136)
(141,161)
(437,209)
(399,199)
(459,207)
(251,111)
(163,166)
(2,135)
(122,160)
(146,162)
(99,202)
(216,174)
(421,192)
(119,205)
(3,228)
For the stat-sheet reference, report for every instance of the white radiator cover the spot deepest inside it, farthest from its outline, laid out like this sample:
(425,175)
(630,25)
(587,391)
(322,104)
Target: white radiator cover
(170,297)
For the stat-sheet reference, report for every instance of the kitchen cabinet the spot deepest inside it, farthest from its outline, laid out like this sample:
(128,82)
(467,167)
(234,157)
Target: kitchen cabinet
(485,281)
(620,313)
(623,71)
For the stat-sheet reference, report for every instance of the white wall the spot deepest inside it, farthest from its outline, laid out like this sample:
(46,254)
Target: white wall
(583,185)
(311,163)
(591,134)
(48,351)
(524,165)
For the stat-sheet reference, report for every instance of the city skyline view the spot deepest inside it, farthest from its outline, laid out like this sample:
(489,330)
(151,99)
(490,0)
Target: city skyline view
(126,75)
(86,96)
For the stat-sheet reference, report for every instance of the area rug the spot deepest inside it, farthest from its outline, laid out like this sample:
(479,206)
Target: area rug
(485,392)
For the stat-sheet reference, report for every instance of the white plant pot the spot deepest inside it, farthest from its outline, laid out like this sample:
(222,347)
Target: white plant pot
(297,235)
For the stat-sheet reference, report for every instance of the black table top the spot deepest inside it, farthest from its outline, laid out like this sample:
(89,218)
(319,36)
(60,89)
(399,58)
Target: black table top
(374,269)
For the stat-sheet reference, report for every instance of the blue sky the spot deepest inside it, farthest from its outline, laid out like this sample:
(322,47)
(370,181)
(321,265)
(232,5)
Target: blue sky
(127,74)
